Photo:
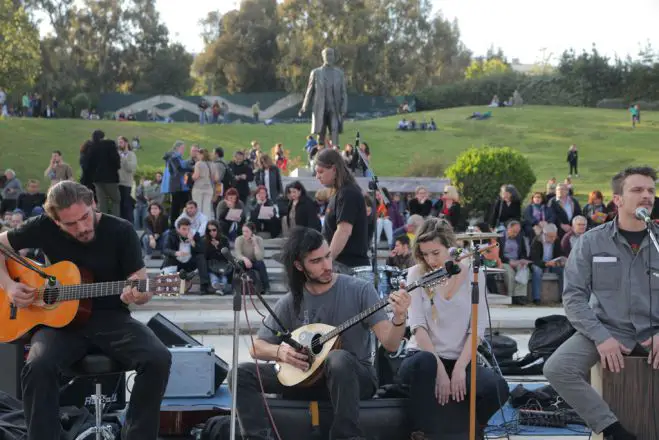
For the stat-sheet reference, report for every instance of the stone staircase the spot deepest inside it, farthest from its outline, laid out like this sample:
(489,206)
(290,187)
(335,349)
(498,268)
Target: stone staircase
(277,275)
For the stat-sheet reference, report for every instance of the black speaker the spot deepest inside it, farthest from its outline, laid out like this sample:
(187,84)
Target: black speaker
(12,359)
(173,336)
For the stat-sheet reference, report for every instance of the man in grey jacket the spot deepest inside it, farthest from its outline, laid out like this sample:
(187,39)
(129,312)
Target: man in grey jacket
(607,300)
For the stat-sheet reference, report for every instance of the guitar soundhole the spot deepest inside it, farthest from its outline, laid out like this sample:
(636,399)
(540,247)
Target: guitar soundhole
(50,295)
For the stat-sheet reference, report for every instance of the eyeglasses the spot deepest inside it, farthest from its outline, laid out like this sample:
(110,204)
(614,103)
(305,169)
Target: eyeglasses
(212,229)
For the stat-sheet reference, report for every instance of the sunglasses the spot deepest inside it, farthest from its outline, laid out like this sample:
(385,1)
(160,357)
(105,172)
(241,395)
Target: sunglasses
(212,229)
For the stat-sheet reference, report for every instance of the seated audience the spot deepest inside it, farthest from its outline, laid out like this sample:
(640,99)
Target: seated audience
(265,222)
(546,255)
(595,211)
(515,258)
(420,204)
(219,269)
(198,220)
(302,210)
(565,207)
(184,250)
(156,224)
(437,365)
(536,216)
(32,200)
(448,207)
(401,255)
(250,249)
(579,225)
(230,226)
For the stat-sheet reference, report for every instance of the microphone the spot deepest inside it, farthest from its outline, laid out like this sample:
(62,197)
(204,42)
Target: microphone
(237,265)
(357,140)
(643,214)
(455,252)
(452,268)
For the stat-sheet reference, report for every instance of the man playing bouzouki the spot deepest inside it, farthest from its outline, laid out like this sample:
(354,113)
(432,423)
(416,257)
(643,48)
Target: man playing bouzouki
(108,248)
(317,295)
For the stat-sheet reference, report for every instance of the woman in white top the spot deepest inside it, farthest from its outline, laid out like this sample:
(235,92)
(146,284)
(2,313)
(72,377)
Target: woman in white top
(438,362)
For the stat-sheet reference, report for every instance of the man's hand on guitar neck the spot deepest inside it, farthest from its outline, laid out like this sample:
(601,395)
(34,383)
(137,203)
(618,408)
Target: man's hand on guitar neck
(288,355)
(21,295)
(131,295)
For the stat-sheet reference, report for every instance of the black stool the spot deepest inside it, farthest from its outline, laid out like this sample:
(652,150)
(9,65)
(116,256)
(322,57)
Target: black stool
(95,365)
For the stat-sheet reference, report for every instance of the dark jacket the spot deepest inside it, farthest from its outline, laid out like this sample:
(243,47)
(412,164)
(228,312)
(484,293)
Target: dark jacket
(156,225)
(276,187)
(306,213)
(173,178)
(502,212)
(537,251)
(529,220)
(560,216)
(171,246)
(242,186)
(103,162)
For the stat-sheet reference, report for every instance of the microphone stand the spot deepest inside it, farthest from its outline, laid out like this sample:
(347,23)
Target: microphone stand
(373,187)
(246,286)
(652,235)
(475,299)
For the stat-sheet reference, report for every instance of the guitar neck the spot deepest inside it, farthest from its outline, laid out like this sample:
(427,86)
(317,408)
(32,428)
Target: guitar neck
(92,290)
(363,315)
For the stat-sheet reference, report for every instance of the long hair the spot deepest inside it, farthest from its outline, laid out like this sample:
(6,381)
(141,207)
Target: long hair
(433,228)
(329,158)
(301,242)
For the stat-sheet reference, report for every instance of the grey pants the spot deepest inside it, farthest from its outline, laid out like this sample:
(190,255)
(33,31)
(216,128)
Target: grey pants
(567,371)
(109,198)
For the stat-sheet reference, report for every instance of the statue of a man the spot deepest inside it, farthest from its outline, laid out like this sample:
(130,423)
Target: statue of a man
(327,87)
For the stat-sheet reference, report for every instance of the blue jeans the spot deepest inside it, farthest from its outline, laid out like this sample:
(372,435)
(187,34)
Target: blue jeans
(217,279)
(139,215)
(536,279)
(159,244)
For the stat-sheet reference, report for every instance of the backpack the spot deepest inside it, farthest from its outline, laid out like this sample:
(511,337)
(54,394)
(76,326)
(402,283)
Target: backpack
(229,179)
(550,332)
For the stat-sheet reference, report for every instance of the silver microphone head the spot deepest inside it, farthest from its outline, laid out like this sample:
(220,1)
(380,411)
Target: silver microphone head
(643,214)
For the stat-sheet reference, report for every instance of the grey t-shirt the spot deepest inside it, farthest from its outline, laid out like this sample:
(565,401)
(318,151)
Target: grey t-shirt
(346,298)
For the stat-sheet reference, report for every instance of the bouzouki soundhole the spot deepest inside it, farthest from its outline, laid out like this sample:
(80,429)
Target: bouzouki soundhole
(314,347)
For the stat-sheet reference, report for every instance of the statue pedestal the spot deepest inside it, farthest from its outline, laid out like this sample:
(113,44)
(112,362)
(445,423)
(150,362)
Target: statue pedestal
(301,172)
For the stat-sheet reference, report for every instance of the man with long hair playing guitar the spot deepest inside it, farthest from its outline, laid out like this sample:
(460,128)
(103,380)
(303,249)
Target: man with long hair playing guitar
(108,248)
(319,296)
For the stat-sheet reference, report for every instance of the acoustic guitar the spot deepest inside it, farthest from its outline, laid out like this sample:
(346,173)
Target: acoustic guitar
(320,339)
(68,302)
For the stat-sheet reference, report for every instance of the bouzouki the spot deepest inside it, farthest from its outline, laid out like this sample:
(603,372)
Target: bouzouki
(319,339)
(67,302)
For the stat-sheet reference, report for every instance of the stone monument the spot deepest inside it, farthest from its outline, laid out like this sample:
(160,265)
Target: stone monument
(327,89)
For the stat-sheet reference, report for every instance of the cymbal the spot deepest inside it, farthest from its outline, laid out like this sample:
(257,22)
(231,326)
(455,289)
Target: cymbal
(473,236)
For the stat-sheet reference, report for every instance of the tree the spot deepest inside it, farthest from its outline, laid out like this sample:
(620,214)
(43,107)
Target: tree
(20,56)
(480,68)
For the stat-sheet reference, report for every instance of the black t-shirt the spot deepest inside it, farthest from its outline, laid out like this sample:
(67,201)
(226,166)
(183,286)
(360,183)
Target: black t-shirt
(114,255)
(348,205)
(634,238)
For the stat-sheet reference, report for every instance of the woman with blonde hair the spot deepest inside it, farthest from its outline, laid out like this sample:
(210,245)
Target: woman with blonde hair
(448,207)
(439,353)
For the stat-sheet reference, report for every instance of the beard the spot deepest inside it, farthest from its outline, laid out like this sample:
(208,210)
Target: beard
(322,279)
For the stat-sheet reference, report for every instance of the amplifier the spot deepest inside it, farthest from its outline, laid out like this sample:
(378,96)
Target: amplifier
(192,373)
(173,336)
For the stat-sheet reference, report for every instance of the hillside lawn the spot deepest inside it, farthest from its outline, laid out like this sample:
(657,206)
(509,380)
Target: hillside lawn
(605,139)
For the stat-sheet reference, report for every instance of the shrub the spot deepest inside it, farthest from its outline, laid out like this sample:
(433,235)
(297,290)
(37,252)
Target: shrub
(478,173)
(81,102)
(425,167)
(147,172)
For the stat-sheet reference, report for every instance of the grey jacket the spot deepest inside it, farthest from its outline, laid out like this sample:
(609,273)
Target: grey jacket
(607,290)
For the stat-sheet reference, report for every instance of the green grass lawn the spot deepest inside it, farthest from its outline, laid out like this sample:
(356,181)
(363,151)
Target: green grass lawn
(605,139)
